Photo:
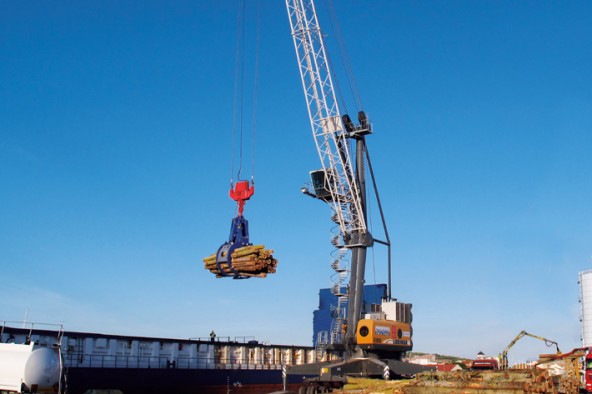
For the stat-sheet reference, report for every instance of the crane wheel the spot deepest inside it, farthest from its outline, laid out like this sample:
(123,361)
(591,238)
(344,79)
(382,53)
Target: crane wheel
(312,389)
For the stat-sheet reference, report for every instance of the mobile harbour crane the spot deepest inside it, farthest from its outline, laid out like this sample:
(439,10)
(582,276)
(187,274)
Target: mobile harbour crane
(373,345)
(503,357)
(370,345)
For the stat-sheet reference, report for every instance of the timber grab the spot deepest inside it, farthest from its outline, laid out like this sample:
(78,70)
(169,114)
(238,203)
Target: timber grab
(238,258)
(239,230)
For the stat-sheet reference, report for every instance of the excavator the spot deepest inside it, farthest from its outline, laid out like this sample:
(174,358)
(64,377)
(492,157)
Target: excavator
(372,345)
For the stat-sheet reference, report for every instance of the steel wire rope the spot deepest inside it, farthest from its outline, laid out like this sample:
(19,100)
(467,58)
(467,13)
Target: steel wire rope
(242,88)
(255,90)
(237,106)
(331,70)
(239,92)
(351,80)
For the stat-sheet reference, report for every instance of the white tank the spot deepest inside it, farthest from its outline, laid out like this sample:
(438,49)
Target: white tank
(586,301)
(42,368)
(13,358)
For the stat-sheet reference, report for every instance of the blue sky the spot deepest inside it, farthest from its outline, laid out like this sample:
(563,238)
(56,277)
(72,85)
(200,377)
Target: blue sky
(116,151)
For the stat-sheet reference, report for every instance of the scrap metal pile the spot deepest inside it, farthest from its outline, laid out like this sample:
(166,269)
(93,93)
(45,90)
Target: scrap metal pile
(248,261)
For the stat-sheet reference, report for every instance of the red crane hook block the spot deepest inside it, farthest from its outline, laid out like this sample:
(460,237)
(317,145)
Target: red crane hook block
(241,192)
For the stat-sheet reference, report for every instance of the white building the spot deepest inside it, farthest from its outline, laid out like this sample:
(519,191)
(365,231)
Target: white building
(586,302)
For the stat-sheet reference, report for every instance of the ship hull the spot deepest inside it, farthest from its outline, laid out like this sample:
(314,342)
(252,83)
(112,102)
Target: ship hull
(180,381)
(144,365)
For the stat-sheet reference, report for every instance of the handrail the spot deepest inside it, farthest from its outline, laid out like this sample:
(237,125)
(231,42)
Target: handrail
(241,339)
(210,339)
(80,360)
(61,326)
(32,326)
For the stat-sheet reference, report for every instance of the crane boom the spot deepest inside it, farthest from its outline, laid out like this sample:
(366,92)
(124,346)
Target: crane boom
(325,118)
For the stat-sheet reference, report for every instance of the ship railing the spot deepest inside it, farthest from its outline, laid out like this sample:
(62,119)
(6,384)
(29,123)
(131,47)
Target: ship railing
(210,339)
(249,340)
(30,327)
(73,360)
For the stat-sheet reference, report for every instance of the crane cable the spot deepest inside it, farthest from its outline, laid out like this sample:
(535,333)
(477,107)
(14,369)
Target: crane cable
(256,89)
(343,54)
(345,65)
(237,121)
(355,94)
(239,93)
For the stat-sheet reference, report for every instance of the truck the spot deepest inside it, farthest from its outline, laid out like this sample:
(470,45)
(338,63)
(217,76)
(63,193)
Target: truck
(588,372)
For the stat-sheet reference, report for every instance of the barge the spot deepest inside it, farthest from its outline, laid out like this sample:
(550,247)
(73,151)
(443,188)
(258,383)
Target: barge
(131,364)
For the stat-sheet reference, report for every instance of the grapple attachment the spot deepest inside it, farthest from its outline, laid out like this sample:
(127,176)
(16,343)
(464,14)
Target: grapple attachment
(239,237)
(238,258)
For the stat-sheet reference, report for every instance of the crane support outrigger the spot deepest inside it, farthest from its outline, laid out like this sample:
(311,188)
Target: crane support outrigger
(373,345)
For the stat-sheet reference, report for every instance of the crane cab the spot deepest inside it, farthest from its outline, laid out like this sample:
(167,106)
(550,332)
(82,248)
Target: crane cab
(321,180)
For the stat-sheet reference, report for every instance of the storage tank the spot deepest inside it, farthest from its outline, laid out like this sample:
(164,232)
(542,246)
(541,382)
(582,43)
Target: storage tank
(20,364)
(586,302)
(13,358)
(43,369)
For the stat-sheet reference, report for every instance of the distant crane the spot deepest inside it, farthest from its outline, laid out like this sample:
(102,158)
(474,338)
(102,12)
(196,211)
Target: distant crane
(504,355)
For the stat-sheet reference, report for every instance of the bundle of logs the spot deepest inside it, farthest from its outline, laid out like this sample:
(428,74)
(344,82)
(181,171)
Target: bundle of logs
(488,381)
(248,261)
